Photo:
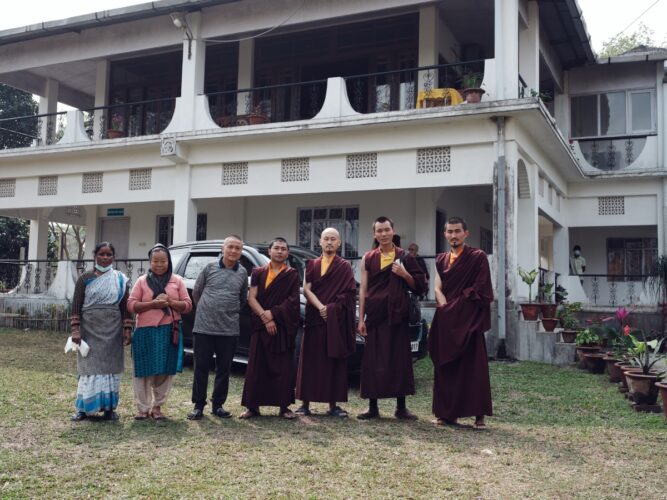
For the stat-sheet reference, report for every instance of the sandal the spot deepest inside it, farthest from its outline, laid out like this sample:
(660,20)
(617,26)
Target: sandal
(249,413)
(142,415)
(287,414)
(479,426)
(303,411)
(156,414)
(337,411)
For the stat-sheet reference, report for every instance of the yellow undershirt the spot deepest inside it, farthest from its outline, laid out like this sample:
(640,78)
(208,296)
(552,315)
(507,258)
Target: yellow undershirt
(388,259)
(326,262)
(271,275)
(453,256)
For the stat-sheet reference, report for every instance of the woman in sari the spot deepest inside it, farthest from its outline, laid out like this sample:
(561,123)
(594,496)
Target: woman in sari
(99,316)
(158,299)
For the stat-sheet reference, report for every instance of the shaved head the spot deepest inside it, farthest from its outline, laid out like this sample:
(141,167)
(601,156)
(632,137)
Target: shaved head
(330,230)
(330,241)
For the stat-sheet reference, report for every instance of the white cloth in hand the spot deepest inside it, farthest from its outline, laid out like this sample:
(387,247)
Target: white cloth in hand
(73,346)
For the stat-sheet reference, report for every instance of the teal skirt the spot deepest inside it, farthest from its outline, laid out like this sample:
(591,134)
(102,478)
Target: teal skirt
(153,352)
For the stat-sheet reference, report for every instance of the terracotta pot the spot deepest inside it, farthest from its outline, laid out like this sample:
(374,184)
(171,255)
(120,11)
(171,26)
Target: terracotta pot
(595,362)
(623,365)
(530,311)
(473,95)
(256,119)
(549,324)
(569,336)
(662,387)
(548,310)
(614,373)
(642,387)
(114,134)
(583,349)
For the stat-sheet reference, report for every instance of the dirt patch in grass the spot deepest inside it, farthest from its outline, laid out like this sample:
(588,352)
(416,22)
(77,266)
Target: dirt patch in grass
(557,432)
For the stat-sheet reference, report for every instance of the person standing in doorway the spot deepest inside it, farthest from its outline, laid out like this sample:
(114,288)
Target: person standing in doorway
(463,291)
(386,368)
(577,261)
(221,290)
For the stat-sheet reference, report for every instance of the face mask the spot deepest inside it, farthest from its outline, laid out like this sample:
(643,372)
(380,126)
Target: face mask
(104,269)
(577,253)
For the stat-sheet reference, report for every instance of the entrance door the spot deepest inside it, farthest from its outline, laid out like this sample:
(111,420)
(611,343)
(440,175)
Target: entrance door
(117,232)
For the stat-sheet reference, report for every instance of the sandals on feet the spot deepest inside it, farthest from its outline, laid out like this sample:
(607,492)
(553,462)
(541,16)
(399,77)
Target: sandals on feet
(479,426)
(249,413)
(142,415)
(156,414)
(337,411)
(287,414)
(303,411)
(367,415)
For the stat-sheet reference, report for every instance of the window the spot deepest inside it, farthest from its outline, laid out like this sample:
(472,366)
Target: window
(312,221)
(612,114)
(165,228)
(486,240)
(631,256)
(202,222)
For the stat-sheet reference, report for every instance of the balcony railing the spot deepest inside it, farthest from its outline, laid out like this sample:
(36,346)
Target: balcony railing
(32,130)
(612,154)
(615,289)
(129,119)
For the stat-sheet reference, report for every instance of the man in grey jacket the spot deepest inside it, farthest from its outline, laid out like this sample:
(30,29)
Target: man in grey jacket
(220,292)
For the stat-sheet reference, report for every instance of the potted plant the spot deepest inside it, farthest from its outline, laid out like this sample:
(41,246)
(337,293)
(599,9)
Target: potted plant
(117,123)
(662,387)
(644,355)
(588,341)
(548,308)
(619,341)
(472,90)
(257,116)
(568,321)
(529,310)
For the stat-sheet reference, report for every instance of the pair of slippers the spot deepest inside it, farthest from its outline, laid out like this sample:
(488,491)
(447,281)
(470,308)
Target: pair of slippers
(155,415)
(441,422)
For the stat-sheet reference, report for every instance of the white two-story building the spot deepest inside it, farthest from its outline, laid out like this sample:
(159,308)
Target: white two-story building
(197,119)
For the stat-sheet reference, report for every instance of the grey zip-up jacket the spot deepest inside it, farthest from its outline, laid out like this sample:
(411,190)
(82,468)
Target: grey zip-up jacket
(219,295)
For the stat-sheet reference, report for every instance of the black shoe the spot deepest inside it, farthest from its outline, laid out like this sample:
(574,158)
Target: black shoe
(404,414)
(196,414)
(303,411)
(221,412)
(367,415)
(337,412)
(79,416)
(110,415)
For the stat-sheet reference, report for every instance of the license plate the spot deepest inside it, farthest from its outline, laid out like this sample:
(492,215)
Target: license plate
(414,346)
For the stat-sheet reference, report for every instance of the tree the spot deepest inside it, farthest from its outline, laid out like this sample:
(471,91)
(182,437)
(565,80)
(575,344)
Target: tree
(13,236)
(73,237)
(15,103)
(643,35)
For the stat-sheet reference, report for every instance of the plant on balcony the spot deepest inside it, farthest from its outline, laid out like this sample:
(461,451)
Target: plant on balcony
(257,115)
(117,124)
(472,90)
(530,311)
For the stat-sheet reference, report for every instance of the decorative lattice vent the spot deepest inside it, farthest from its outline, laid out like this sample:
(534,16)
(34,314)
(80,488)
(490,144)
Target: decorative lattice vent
(140,179)
(74,210)
(234,173)
(7,188)
(611,205)
(362,165)
(434,160)
(295,170)
(48,186)
(92,182)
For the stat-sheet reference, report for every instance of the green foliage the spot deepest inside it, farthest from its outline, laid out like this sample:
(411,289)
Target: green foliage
(589,336)
(644,353)
(15,103)
(656,282)
(547,291)
(643,35)
(528,277)
(472,80)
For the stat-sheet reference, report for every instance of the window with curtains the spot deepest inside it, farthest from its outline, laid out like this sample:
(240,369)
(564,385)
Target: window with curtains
(312,221)
(631,256)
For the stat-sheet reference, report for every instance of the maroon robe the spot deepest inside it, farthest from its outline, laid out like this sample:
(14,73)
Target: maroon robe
(322,374)
(461,386)
(386,368)
(269,376)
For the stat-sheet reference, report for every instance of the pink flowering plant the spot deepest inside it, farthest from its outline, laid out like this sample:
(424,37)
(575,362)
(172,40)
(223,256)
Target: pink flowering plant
(618,330)
(117,121)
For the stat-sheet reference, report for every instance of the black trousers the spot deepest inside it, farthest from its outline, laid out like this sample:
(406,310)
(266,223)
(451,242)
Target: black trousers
(205,346)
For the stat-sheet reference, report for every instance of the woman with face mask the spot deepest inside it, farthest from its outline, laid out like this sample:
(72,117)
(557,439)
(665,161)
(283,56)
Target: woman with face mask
(158,299)
(99,317)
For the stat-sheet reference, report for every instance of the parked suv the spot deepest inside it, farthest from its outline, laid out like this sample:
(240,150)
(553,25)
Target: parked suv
(189,259)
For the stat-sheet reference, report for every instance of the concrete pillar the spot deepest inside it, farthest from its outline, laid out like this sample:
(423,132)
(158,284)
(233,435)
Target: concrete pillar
(506,42)
(428,45)
(527,239)
(246,74)
(48,104)
(529,49)
(38,240)
(101,96)
(426,206)
(192,111)
(92,223)
(662,218)
(561,252)
(185,209)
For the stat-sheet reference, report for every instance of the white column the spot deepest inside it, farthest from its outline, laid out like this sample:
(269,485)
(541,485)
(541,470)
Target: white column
(529,49)
(428,44)
(101,95)
(48,103)
(185,209)
(246,73)
(426,206)
(38,239)
(561,252)
(506,42)
(662,218)
(91,230)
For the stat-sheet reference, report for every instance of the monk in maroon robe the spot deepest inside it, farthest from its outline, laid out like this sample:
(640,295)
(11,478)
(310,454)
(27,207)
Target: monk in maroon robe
(329,333)
(464,293)
(274,300)
(386,368)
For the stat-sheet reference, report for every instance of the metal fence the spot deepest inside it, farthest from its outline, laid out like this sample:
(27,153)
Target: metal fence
(615,289)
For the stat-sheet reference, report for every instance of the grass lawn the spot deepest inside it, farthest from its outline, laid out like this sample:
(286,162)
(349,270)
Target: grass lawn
(557,432)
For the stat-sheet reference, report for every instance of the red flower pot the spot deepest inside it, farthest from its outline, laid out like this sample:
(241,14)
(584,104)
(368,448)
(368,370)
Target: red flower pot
(549,324)
(569,336)
(548,310)
(642,388)
(614,372)
(594,362)
(582,350)
(530,311)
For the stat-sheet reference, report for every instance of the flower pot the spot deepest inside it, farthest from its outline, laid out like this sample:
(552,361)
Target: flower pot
(623,365)
(662,387)
(569,336)
(473,95)
(530,311)
(549,324)
(256,119)
(548,310)
(642,388)
(614,372)
(583,349)
(595,362)
(114,134)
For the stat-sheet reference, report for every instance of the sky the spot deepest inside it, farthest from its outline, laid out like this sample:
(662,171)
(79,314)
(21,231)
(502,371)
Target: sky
(604,18)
